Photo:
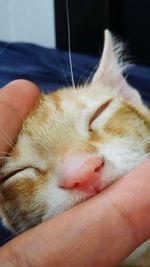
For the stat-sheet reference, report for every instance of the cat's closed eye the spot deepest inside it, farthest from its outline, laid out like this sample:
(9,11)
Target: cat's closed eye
(98,112)
(6,177)
(20,171)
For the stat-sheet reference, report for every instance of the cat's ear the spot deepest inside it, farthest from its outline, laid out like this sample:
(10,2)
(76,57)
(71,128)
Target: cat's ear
(109,72)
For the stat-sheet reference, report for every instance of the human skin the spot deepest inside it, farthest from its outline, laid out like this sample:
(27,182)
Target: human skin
(16,100)
(101,231)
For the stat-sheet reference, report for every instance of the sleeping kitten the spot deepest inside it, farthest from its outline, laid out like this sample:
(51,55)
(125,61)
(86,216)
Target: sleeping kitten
(74,144)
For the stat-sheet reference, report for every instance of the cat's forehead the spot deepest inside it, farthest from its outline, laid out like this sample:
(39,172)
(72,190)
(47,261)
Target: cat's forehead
(85,97)
(60,119)
(69,111)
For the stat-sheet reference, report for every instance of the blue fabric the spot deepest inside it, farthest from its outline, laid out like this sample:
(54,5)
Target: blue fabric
(49,69)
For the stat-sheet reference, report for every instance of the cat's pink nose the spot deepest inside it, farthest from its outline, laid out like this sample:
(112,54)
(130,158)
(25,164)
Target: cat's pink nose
(81,172)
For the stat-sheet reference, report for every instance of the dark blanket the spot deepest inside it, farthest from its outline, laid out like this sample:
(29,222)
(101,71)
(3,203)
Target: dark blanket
(49,69)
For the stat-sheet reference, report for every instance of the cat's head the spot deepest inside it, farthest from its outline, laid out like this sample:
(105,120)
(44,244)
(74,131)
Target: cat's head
(74,144)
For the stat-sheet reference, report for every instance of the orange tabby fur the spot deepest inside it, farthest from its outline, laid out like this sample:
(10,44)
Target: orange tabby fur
(68,122)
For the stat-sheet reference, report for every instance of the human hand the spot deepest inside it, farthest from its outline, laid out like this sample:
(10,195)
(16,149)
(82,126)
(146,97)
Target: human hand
(102,231)
(16,101)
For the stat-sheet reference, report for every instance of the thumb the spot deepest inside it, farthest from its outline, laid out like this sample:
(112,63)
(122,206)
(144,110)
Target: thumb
(102,231)
(16,100)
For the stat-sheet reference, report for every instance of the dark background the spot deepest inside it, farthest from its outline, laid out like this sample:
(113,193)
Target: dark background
(127,19)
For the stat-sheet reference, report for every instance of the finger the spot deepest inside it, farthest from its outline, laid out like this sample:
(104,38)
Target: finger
(100,232)
(16,100)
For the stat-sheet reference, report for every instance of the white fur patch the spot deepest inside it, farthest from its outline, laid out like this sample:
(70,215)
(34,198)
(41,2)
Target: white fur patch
(122,155)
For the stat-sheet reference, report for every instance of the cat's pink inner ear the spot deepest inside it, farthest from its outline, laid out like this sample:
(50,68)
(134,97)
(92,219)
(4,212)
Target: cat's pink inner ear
(109,72)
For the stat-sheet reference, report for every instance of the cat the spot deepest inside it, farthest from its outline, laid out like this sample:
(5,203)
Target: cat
(74,143)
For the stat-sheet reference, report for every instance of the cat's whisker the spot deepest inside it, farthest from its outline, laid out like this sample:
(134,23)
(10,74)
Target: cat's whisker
(120,85)
(91,74)
(56,145)
(62,70)
(69,45)
(82,76)
(3,101)
(122,82)
(141,144)
(5,153)
(146,140)
(138,144)
(3,157)
(6,138)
